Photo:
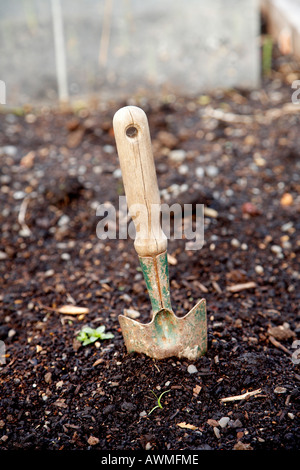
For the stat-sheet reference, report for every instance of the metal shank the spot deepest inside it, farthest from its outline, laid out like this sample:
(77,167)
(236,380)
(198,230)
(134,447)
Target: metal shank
(156,274)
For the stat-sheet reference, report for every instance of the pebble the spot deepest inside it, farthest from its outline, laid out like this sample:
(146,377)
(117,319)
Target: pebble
(131,313)
(286,199)
(259,269)
(224,421)
(165,194)
(92,440)
(19,195)
(109,409)
(97,169)
(108,148)
(64,220)
(279,389)
(177,155)
(174,189)
(209,212)
(183,169)
(236,424)
(199,172)
(167,139)
(5,179)
(217,432)
(287,245)
(276,249)
(126,297)
(59,384)
(250,209)
(65,256)
(281,332)
(259,161)
(127,406)
(9,150)
(117,173)
(287,226)
(212,422)
(242,446)
(192,369)
(3,255)
(48,377)
(184,187)
(5,189)
(49,273)
(211,171)
(81,170)
(235,242)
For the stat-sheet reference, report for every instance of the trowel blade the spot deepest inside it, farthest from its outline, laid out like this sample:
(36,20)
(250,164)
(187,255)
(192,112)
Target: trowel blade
(168,335)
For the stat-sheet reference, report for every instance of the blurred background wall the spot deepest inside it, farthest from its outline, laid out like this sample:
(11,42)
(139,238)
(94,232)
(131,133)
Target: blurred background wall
(53,49)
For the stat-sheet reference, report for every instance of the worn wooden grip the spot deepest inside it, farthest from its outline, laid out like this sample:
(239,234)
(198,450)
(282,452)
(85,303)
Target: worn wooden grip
(139,178)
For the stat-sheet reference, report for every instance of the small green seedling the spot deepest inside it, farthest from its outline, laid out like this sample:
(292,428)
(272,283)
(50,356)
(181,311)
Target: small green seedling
(159,405)
(89,335)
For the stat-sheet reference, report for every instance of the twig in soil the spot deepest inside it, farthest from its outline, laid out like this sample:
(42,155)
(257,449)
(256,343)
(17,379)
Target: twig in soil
(216,287)
(65,309)
(45,307)
(221,115)
(241,397)
(277,344)
(268,116)
(21,217)
(9,364)
(239,287)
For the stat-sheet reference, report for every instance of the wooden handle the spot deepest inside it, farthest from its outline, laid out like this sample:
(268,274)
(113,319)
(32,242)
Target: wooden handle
(139,177)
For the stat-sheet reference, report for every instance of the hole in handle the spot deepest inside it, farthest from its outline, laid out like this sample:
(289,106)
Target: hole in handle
(131,131)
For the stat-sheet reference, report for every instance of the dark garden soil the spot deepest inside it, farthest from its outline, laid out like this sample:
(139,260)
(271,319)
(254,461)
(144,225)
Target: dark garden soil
(239,155)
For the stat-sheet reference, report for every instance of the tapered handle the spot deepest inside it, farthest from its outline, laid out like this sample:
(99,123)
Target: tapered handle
(139,177)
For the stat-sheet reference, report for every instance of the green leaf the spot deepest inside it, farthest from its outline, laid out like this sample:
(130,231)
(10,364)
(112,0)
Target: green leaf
(160,396)
(153,409)
(159,405)
(89,335)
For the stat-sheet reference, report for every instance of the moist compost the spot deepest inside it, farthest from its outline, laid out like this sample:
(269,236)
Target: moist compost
(235,152)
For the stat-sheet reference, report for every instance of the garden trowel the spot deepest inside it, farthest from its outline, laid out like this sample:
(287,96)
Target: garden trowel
(166,334)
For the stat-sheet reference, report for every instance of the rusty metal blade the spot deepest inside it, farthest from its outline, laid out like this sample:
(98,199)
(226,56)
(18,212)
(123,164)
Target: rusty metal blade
(168,335)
